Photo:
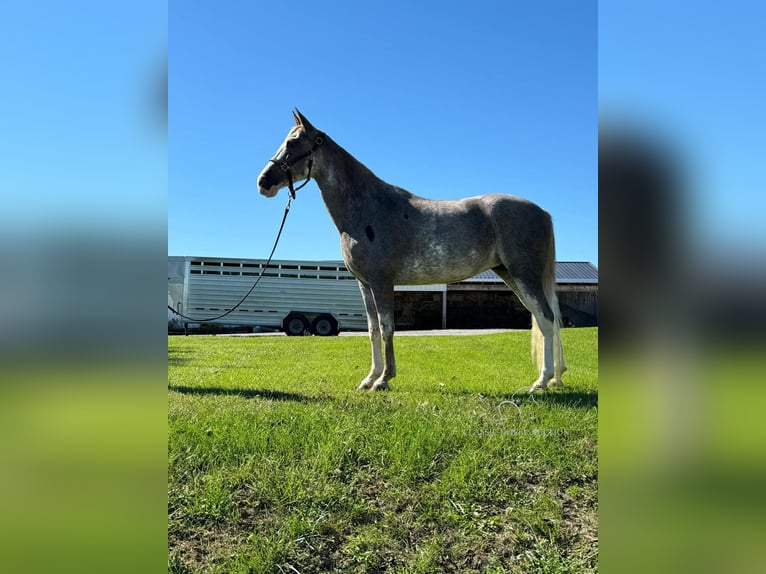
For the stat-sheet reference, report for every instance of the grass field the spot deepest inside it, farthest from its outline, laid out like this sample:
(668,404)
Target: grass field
(277,464)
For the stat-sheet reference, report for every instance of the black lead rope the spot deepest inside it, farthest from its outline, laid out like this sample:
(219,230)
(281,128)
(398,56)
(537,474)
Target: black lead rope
(263,270)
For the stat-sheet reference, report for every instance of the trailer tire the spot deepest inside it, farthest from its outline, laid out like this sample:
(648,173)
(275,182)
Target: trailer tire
(295,325)
(324,325)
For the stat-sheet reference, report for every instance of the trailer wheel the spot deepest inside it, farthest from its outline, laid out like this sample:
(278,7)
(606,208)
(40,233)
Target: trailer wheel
(324,325)
(295,324)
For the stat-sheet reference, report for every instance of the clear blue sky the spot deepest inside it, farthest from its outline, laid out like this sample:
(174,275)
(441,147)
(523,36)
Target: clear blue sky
(445,99)
(693,76)
(80,142)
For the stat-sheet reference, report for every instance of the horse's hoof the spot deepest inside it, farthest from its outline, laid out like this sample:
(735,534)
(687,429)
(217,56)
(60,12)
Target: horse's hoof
(538,387)
(381,386)
(364,386)
(555,384)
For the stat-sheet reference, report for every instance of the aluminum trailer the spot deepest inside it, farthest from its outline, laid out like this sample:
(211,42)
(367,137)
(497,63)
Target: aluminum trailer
(298,297)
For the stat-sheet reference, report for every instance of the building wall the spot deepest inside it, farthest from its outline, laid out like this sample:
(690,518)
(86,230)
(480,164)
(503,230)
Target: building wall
(486,310)
(418,309)
(579,307)
(490,307)
(494,305)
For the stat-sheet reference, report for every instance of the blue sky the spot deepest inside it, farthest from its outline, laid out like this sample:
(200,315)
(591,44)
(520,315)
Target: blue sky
(80,143)
(445,99)
(692,75)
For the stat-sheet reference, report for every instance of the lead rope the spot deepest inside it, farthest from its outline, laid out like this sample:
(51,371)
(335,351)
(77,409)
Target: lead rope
(263,270)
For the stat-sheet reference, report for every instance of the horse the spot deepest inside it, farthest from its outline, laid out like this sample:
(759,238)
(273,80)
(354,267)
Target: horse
(390,236)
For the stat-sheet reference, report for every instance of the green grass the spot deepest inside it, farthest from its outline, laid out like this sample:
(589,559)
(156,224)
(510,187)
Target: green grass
(277,464)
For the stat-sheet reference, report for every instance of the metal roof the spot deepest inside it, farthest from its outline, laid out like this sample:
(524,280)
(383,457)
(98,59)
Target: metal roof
(566,272)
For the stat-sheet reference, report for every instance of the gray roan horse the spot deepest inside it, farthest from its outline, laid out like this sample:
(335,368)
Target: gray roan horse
(391,237)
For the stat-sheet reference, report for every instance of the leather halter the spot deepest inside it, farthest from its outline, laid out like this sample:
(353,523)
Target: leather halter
(287,167)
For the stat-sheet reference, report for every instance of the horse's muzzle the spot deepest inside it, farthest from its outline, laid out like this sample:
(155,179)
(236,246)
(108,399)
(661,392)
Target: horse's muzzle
(266,187)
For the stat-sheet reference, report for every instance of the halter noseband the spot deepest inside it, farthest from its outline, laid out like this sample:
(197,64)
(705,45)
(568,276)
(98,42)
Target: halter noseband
(287,167)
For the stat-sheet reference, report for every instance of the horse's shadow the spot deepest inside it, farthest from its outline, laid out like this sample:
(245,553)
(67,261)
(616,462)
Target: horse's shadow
(266,394)
(177,357)
(566,397)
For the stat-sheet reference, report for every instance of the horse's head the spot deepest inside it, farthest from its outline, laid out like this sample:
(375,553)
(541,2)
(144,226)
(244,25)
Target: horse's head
(293,160)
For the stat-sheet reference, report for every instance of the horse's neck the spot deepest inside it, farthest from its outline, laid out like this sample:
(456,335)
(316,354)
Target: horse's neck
(347,185)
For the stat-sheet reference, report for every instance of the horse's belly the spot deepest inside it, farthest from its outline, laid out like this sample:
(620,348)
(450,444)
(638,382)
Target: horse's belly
(439,264)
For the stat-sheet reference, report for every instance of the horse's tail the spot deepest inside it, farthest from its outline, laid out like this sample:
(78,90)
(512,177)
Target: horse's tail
(549,289)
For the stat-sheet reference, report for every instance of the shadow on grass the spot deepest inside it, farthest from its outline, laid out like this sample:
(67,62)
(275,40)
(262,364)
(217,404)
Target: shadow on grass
(245,393)
(178,357)
(566,397)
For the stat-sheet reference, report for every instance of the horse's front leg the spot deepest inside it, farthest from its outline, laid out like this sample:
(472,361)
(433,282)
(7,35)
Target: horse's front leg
(384,301)
(373,326)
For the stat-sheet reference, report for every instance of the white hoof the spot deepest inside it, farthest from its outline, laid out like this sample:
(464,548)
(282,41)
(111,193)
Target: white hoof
(368,381)
(365,385)
(538,386)
(555,384)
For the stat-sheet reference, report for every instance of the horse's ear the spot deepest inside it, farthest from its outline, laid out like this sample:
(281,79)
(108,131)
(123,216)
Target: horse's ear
(301,120)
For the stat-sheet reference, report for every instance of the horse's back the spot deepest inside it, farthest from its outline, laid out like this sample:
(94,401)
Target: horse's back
(506,205)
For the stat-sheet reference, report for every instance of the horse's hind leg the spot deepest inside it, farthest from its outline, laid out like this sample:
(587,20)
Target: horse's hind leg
(543,316)
(373,324)
(544,331)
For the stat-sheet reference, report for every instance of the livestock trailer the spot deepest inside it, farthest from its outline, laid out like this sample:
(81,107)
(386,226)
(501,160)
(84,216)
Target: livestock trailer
(321,297)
